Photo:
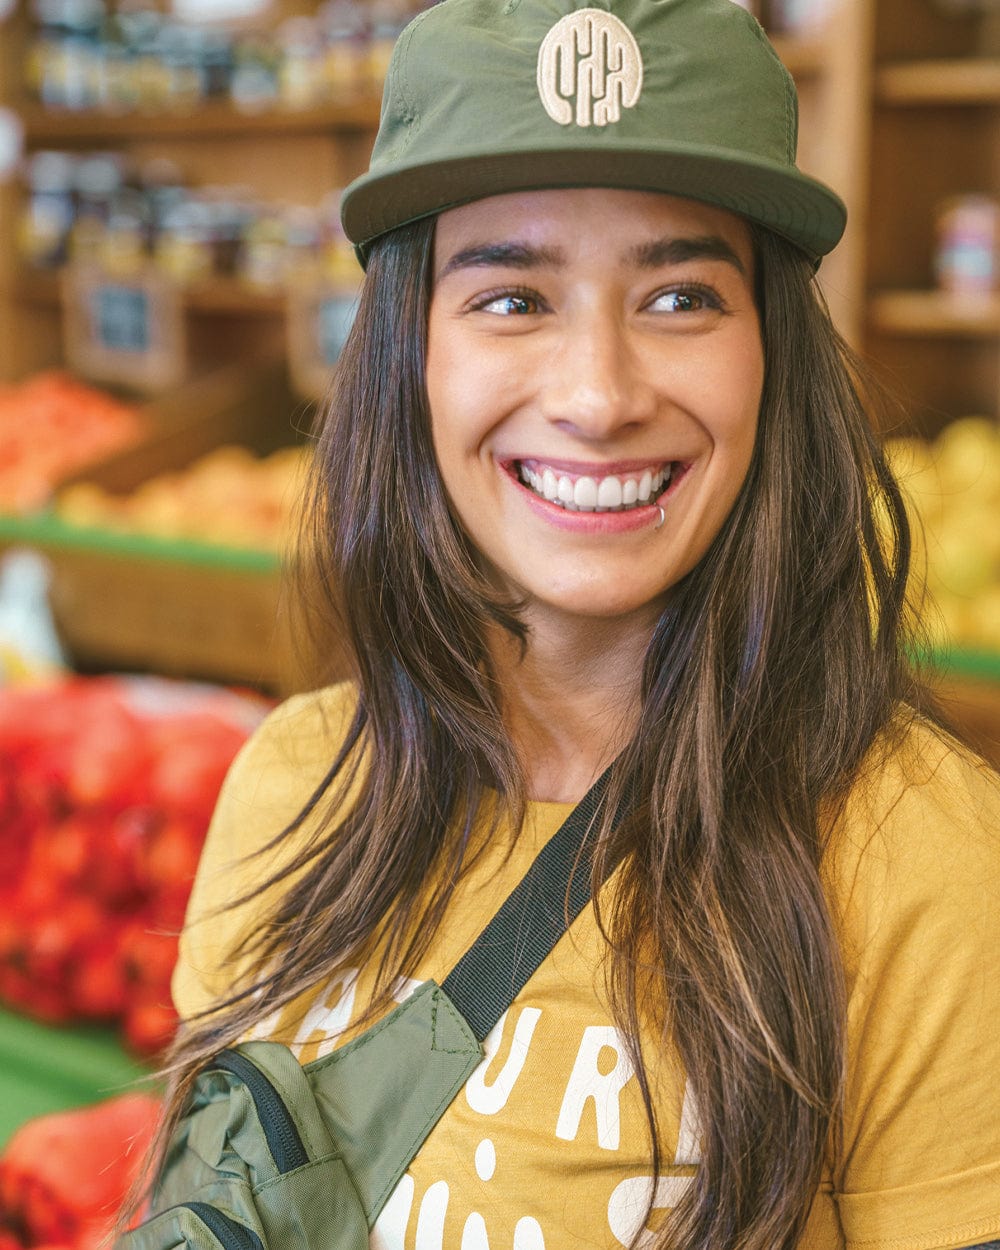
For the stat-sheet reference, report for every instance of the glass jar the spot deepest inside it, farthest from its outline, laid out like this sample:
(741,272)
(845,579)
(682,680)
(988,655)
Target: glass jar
(45,224)
(967,256)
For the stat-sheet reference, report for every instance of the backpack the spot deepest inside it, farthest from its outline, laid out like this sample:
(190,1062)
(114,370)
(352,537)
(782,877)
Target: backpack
(272,1154)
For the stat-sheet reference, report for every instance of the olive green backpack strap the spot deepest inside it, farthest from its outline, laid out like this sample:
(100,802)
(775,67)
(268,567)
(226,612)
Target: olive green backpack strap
(412,1064)
(532,919)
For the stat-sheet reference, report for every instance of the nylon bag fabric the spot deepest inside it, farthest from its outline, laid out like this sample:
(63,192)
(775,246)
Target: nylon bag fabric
(243,1173)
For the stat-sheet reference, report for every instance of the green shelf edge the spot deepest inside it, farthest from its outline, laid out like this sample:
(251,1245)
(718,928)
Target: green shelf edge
(49,531)
(978,665)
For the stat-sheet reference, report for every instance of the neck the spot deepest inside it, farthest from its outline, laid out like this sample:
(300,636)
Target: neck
(572,702)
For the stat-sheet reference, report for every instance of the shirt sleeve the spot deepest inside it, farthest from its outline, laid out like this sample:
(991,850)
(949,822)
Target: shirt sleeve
(267,786)
(916,869)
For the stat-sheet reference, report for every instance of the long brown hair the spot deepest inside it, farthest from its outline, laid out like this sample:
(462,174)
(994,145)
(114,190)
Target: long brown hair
(779,660)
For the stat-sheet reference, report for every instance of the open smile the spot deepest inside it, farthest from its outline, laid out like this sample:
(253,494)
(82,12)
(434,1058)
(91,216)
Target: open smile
(627,489)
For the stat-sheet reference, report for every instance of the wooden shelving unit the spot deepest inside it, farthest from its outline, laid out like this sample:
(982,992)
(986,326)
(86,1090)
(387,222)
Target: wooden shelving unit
(210,121)
(222,296)
(805,56)
(972,80)
(280,155)
(935,135)
(929,314)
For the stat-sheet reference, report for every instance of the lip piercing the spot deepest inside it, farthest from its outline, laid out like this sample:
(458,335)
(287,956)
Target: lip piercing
(663,517)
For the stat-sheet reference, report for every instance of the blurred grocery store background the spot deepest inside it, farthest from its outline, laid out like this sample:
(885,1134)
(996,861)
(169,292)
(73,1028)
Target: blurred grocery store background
(174,293)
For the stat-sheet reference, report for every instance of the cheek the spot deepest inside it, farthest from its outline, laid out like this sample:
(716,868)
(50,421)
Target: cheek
(460,420)
(443,386)
(740,410)
(437,371)
(469,393)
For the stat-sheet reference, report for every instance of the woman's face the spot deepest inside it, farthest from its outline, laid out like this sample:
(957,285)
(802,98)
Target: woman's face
(594,356)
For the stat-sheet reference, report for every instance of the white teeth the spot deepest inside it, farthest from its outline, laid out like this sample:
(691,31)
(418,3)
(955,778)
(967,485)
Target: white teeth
(591,494)
(585,492)
(609,493)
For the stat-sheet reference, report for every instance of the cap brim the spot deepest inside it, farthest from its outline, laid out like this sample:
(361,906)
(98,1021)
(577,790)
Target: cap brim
(786,201)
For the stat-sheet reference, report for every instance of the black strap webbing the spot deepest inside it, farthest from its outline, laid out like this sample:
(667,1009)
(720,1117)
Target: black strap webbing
(532,919)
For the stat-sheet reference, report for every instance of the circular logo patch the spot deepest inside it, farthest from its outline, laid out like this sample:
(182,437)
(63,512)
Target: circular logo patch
(589,69)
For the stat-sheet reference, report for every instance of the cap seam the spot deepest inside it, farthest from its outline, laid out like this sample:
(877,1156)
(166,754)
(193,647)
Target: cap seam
(409,114)
(791,138)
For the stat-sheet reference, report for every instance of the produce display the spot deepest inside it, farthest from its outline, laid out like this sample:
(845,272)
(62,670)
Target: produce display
(64,1177)
(50,426)
(953,492)
(229,497)
(107,785)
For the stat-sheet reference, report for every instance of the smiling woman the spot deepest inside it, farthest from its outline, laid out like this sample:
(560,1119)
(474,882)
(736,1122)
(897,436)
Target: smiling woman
(598,505)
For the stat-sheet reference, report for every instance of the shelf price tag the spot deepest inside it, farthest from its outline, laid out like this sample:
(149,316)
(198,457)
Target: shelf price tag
(127,330)
(319,320)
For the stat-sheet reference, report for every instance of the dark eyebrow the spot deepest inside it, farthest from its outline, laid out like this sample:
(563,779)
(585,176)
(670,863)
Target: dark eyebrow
(507,255)
(674,251)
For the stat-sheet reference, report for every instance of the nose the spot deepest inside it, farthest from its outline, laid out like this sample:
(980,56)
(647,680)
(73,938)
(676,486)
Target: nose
(594,386)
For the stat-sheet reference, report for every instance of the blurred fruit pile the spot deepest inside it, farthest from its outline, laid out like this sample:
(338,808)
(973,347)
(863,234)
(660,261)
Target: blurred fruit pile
(106,788)
(64,1176)
(50,426)
(952,487)
(229,497)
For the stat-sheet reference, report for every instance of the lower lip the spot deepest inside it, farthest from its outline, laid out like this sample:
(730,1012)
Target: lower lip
(599,522)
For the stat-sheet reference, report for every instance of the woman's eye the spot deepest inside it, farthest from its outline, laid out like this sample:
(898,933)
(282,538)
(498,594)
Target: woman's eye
(684,301)
(511,305)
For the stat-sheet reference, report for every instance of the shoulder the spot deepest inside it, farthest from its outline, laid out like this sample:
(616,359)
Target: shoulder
(269,784)
(917,835)
(913,864)
(302,731)
(289,754)
(276,773)
(919,787)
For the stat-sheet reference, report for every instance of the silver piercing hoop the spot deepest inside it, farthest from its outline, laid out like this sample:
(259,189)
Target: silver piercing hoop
(663,517)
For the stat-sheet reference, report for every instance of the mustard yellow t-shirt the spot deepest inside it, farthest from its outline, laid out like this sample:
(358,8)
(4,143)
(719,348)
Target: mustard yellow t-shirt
(547,1147)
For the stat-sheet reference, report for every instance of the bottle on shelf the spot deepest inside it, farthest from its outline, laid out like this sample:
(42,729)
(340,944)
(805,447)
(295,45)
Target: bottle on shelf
(49,209)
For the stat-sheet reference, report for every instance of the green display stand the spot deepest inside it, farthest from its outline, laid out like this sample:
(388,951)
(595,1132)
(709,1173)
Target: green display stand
(45,1068)
(973,665)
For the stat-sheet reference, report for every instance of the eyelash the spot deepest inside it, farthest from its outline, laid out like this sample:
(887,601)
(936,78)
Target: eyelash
(710,298)
(508,293)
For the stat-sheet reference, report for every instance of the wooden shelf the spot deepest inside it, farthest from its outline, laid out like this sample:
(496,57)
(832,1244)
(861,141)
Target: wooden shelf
(228,295)
(965,81)
(803,56)
(932,313)
(216,295)
(213,120)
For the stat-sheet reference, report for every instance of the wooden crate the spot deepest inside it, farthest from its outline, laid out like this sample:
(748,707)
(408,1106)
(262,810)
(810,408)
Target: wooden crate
(125,601)
(134,611)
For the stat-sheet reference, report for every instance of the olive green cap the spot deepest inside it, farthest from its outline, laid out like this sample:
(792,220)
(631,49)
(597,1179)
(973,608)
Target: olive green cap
(687,97)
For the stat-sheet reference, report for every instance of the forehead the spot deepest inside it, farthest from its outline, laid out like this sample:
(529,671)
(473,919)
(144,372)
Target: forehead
(603,222)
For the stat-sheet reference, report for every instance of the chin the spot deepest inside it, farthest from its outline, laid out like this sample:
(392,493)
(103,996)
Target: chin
(585,605)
